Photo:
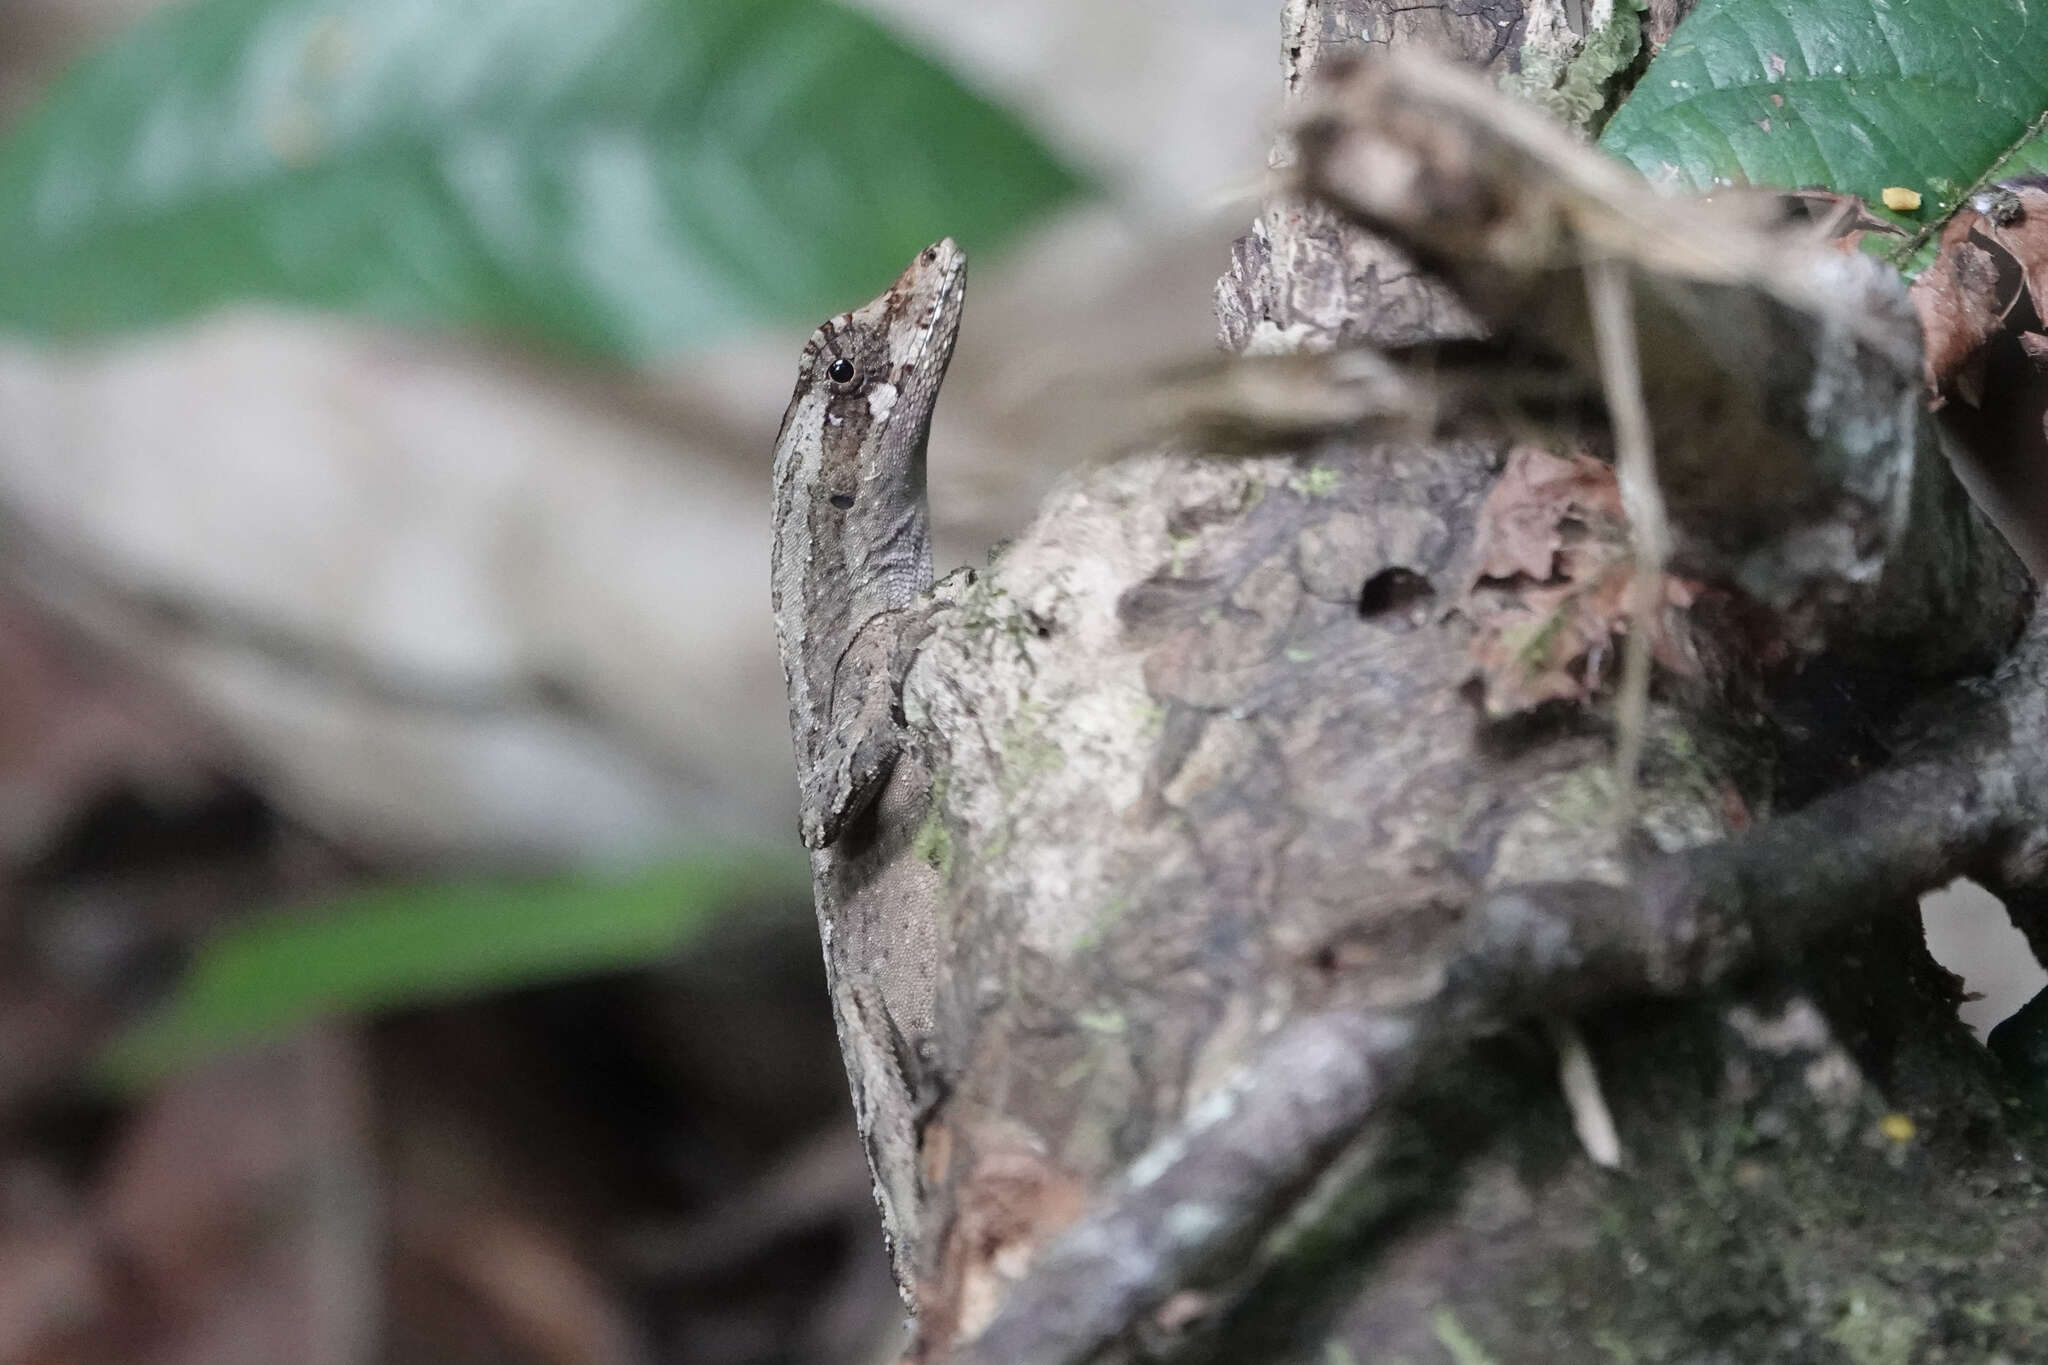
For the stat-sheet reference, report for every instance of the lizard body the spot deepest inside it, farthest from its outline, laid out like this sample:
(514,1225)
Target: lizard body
(851,572)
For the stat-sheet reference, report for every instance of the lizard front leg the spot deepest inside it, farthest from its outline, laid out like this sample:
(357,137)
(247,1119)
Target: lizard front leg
(864,726)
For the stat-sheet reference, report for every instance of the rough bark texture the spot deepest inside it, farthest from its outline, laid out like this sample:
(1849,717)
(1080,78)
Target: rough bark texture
(1252,908)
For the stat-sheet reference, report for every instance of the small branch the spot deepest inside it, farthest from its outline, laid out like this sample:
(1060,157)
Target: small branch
(1614,337)
(1201,1197)
(1579,1079)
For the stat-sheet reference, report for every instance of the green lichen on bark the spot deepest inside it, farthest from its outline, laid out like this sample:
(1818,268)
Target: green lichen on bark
(1571,75)
(934,842)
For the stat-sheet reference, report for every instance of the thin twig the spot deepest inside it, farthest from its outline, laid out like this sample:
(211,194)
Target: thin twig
(1592,1120)
(1614,338)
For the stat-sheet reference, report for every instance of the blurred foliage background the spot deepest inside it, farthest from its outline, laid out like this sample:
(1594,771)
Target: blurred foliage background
(409,957)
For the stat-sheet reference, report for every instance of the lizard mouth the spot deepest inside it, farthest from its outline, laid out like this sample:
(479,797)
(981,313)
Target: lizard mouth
(935,284)
(926,303)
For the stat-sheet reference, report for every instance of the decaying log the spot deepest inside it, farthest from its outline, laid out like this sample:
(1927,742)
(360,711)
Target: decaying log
(1275,803)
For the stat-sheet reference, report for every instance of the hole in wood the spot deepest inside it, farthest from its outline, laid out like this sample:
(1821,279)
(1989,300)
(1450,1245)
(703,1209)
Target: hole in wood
(1394,592)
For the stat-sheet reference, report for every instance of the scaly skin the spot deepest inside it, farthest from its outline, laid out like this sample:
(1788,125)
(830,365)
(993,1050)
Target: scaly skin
(852,566)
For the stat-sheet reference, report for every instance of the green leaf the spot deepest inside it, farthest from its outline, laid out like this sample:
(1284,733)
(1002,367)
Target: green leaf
(417,945)
(1850,95)
(618,176)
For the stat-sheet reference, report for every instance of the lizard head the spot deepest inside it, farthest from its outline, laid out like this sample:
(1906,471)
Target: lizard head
(880,365)
(850,457)
(889,341)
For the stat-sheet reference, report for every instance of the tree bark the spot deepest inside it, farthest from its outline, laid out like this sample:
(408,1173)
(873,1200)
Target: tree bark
(1256,900)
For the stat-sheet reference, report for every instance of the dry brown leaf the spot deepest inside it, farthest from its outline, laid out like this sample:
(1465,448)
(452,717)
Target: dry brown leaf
(1962,300)
(1991,251)
(1017,1202)
(1981,313)
(1529,515)
(2015,216)
(1549,595)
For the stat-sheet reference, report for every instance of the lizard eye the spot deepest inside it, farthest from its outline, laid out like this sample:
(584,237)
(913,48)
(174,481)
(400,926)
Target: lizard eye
(842,372)
(842,500)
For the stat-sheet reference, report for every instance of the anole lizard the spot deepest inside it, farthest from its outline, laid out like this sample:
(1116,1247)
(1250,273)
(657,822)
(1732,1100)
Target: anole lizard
(852,569)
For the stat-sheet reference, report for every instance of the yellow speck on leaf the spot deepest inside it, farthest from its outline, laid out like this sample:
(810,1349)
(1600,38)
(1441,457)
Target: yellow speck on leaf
(1899,199)
(1897,1127)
